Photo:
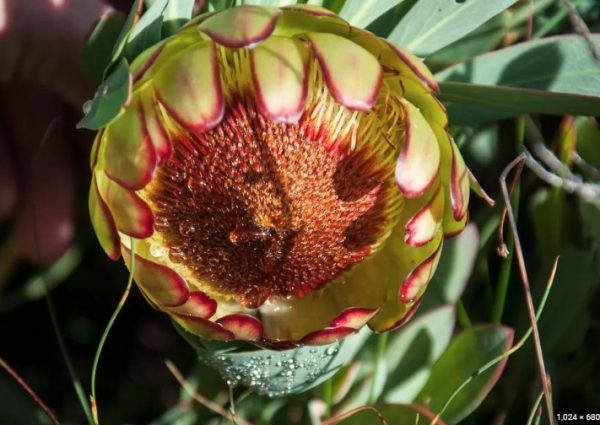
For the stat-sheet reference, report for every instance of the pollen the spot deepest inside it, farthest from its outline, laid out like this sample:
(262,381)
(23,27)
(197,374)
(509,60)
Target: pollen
(253,210)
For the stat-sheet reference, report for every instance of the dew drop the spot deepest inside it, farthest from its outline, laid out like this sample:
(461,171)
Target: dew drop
(87,107)
(330,351)
(186,228)
(156,251)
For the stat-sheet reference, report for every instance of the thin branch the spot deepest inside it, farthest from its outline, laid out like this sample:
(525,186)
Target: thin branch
(29,391)
(585,166)
(200,398)
(527,289)
(341,416)
(589,192)
(502,249)
(581,27)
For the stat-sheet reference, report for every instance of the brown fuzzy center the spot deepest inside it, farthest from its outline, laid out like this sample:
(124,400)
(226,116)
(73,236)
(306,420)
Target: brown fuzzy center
(255,209)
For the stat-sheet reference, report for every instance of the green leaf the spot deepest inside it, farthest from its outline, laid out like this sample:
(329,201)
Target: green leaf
(412,351)
(361,13)
(110,96)
(136,9)
(432,24)
(589,215)
(575,275)
(483,39)
(97,51)
(469,351)
(276,373)
(471,104)
(147,30)
(176,14)
(588,140)
(559,64)
(557,75)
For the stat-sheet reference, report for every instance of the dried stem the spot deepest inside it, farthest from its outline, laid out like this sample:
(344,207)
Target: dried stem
(526,287)
(29,391)
(502,248)
(200,398)
(341,416)
(581,27)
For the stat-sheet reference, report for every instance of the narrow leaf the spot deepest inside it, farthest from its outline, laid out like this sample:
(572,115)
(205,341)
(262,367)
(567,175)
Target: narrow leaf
(469,351)
(464,102)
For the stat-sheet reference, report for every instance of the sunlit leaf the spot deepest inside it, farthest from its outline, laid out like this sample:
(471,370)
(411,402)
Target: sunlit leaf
(413,349)
(474,104)
(176,13)
(558,75)
(433,24)
(361,13)
(146,31)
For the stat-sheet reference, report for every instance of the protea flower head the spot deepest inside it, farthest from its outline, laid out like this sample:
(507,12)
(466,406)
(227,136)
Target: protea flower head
(286,178)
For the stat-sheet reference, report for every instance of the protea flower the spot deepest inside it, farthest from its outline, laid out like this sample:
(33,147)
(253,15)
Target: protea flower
(287,178)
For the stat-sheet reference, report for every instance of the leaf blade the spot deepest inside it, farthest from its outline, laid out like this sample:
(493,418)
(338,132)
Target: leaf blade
(432,24)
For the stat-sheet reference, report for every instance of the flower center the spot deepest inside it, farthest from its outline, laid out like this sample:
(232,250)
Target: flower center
(254,209)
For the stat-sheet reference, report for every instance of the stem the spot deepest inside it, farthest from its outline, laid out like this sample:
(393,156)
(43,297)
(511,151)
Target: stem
(527,289)
(462,315)
(504,278)
(107,330)
(232,404)
(328,397)
(49,303)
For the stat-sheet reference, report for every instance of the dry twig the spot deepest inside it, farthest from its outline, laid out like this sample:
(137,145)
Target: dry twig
(29,391)
(581,27)
(526,287)
(200,398)
(341,416)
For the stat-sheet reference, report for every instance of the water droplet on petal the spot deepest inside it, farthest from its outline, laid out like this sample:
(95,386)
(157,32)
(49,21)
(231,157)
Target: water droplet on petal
(157,251)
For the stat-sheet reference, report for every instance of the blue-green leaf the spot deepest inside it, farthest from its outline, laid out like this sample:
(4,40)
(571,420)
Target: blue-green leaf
(557,75)
(469,351)
(470,104)
(361,13)
(110,96)
(147,31)
(136,10)
(413,349)
(276,373)
(432,24)
(454,269)
(176,14)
